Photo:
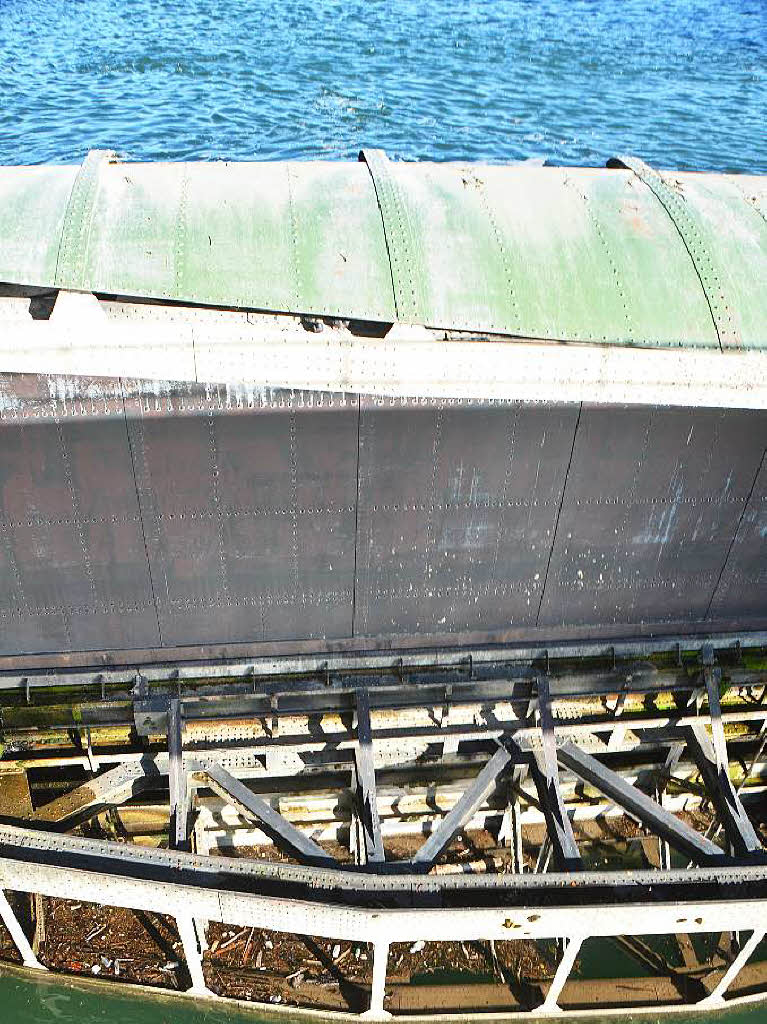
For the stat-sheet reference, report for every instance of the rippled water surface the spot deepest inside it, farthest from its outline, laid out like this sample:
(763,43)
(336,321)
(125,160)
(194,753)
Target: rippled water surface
(682,82)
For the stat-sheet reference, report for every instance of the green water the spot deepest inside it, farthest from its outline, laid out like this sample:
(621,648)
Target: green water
(48,999)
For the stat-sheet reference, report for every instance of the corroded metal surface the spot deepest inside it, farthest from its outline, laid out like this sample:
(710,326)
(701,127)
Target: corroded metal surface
(136,515)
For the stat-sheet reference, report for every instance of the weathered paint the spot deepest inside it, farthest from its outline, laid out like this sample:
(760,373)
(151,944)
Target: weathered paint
(568,254)
(152,514)
(148,515)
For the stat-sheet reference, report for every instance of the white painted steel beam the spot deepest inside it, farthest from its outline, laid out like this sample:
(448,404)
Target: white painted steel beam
(716,997)
(16,932)
(192,955)
(378,989)
(536,920)
(250,355)
(563,971)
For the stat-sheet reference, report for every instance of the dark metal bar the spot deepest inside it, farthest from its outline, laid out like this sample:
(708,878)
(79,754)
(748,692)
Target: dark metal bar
(366,781)
(247,661)
(178,783)
(258,810)
(457,818)
(546,777)
(640,806)
(737,825)
(712,759)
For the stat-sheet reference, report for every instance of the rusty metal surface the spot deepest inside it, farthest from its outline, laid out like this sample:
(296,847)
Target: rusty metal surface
(139,516)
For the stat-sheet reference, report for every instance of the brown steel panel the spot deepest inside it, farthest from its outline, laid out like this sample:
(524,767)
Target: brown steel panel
(72,539)
(247,529)
(652,503)
(457,506)
(249,511)
(742,589)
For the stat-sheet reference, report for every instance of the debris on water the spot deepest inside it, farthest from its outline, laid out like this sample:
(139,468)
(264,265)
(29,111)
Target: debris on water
(417,947)
(234,938)
(96,931)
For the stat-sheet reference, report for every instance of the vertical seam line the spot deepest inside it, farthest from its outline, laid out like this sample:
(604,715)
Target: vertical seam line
(559,513)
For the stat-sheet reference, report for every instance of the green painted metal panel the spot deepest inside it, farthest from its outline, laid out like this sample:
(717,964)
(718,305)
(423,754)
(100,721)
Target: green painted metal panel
(566,254)
(735,214)
(33,201)
(299,237)
(554,253)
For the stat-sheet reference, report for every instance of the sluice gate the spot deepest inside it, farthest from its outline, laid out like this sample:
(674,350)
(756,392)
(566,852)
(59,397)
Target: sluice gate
(383,583)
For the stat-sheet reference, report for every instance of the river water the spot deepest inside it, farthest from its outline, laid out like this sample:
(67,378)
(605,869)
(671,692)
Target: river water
(50,1001)
(682,83)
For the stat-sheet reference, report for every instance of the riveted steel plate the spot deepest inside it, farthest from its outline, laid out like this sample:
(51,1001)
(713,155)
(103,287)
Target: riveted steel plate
(249,511)
(694,234)
(457,506)
(148,515)
(569,254)
(652,504)
(742,587)
(73,572)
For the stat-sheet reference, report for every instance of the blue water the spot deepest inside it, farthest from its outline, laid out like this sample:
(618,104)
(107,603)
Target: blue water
(681,82)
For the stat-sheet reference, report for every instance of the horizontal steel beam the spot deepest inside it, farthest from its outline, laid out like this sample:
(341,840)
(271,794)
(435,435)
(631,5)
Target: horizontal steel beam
(536,919)
(566,888)
(175,666)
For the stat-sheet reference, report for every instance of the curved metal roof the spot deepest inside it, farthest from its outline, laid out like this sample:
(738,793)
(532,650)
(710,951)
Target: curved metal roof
(618,255)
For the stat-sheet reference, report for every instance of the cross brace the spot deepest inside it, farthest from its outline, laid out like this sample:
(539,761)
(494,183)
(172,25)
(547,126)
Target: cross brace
(640,806)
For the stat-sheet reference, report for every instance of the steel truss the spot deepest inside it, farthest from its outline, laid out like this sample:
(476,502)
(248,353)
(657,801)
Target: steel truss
(503,741)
